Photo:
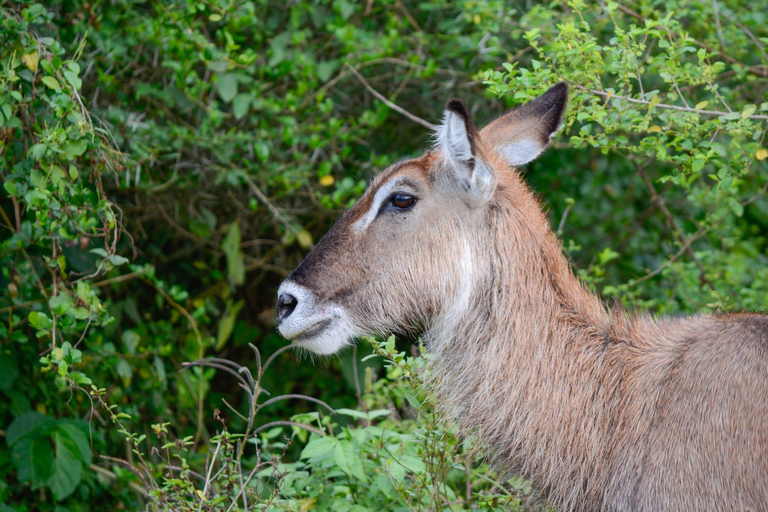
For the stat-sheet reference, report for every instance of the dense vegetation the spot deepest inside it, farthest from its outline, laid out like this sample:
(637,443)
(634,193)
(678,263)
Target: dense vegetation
(165,164)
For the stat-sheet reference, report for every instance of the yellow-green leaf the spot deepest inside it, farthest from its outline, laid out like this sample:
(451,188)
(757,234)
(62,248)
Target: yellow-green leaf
(304,238)
(748,111)
(654,129)
(30,60)
(327,181)
(700,105)
(761,154)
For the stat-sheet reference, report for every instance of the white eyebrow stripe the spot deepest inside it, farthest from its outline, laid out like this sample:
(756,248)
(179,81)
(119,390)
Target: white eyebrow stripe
(381,195)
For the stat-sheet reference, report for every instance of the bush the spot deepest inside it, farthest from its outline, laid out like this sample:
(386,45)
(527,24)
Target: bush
(165,164)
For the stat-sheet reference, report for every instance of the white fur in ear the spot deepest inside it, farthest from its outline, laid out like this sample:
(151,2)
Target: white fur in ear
(456,139)
(452,138)
(522,151)
(523,134)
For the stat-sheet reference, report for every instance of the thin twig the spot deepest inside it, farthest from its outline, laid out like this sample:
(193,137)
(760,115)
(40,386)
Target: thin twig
(109,474)
(659,200)
(210,469)
(272,208)
(119,279)
(701,232)
(664,105)
(300,397)
(717,22)
(564,218)
(391,105)
(289,424)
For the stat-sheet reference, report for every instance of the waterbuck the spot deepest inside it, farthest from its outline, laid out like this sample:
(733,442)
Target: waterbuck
(600,409)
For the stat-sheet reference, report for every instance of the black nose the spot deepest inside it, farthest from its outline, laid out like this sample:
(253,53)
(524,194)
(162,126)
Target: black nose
(286,303)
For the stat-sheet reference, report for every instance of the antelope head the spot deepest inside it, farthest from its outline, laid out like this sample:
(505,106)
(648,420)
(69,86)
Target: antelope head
(412,251)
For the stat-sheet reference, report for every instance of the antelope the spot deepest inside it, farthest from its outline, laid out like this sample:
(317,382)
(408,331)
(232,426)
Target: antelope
(600,409)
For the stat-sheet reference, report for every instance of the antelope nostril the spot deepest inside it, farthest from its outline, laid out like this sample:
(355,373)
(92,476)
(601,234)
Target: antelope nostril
(286,303)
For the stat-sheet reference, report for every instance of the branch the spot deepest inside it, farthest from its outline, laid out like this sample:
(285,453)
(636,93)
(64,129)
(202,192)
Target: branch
(659,200)
(391,105)
(701,232)
(112,476)
(664,105)
(289,424)
(272,208)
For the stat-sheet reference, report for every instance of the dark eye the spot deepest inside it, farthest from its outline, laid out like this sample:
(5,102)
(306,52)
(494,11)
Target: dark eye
(402,201)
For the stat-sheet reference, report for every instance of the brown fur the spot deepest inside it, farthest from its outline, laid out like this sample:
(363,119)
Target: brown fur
(602,411)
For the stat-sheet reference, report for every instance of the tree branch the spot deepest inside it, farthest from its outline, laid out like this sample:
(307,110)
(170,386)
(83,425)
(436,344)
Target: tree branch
(391,105)
(718,113)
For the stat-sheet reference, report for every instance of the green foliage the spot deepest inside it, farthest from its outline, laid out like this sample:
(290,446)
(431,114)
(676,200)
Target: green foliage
(396,457)
(693,135)
(165,164)
(49,453)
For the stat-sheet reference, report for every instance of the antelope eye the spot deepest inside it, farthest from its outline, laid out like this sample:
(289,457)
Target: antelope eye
(402,201)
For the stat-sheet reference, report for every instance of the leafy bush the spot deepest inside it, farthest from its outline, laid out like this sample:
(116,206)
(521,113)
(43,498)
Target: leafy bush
(398,456)
(165,164)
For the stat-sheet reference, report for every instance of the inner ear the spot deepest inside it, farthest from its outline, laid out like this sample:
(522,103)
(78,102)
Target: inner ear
(457,138)
(524,133)
(456,135)
(458,107)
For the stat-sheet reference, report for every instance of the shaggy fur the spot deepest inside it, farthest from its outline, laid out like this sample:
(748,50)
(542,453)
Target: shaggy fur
(600,410)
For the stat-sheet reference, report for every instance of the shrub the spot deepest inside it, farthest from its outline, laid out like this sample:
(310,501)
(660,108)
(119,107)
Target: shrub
(165,164)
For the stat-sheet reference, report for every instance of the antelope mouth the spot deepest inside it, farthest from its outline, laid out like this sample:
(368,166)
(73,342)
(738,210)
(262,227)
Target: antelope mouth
(324,337)
(320,328)
(312,331)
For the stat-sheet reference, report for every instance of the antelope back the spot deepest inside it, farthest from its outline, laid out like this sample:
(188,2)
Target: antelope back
(408,253)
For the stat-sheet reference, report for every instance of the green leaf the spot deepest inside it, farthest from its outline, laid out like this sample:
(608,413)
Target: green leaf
(24,425)
(326,68)
(10,188)
(73,149)
(345,7)
(51,82)
(352,413)
(40,320)
(60,303)
(79,438)
(736,207)
(319,448)
(241,105)
(117,260)
(67,465)
(33,457)
(698,164)
(124,371)
(227,86)
(37,151)
(131,340)
(9,371)
(83,291)
(227,322)
(348,459)
(72,79)
(235,261)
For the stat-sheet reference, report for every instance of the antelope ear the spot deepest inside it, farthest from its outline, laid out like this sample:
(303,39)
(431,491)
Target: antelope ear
(523,134)
(456,138)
